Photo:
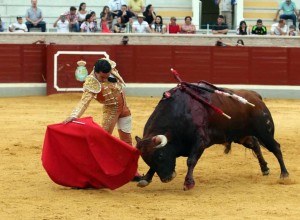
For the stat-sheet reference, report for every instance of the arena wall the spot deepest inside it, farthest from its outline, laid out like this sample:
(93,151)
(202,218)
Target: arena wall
(145,64)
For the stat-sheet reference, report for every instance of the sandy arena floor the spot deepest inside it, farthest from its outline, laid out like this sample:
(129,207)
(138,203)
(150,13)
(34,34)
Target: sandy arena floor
(227,186)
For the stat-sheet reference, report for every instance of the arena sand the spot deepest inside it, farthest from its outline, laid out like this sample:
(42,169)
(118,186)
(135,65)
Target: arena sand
(227,186)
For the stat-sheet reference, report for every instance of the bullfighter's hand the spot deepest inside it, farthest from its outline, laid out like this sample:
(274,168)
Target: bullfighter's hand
(69,119)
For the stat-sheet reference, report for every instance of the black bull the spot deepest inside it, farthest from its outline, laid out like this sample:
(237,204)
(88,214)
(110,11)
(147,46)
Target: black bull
(182,126)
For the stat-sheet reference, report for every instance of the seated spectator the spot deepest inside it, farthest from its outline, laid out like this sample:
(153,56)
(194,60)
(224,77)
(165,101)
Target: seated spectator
(188,27)
(120,26)
(82,12)
(220,27)
(279,28)
(259,28)
(19,26)
(62,24)
(106,19)
(158,26)
(1,25)
(292,31)
(140,26)
(72,18)
(88,25)
(173,27)
(34,17)
(94,20)
(136,6)
(149,14)
(242,29)
(115,7)
(289,11)
(125,14)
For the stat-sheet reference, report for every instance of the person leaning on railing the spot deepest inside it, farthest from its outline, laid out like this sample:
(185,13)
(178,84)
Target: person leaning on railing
(259,28)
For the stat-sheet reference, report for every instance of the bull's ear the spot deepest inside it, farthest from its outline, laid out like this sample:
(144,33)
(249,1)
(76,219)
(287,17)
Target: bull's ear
(138,139)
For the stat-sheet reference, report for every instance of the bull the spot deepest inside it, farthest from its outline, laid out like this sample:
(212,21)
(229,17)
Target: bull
(181,125)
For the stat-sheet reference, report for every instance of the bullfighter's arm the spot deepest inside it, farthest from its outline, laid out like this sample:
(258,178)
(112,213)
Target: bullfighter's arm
(91,87)
(82,104)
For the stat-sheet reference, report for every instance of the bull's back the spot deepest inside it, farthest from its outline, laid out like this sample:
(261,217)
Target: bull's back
(244,117)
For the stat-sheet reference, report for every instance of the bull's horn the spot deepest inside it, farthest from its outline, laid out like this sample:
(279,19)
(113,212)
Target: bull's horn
(163,141)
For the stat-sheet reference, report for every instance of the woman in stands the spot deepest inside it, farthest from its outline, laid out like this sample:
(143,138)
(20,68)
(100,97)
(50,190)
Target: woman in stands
(120,26)
(106,19)
(188,27)
(149,14)
(82,12)
(242,29)
(88,25)
(158,26)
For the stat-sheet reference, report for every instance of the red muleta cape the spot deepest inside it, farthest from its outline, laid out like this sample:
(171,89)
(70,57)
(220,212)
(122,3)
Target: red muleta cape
(85,155)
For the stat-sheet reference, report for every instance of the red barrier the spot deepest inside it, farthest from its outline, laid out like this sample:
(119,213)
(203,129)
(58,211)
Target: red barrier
(151,64)
(23,63)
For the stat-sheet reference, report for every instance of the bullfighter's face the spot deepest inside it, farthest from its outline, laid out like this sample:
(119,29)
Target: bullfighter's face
(162,160)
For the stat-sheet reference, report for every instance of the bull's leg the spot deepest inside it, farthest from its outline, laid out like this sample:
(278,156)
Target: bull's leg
(273,146)
(147,179)
(192,160)
(252,143)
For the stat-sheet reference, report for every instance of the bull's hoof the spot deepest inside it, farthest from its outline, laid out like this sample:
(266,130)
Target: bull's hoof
(188,185)
(284,175)
(266,172)
(143,183)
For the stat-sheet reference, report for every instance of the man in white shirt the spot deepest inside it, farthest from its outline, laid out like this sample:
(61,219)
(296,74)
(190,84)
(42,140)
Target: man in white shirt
(62,24)
(225,7)
(18,26)
(140,26)
(279,28)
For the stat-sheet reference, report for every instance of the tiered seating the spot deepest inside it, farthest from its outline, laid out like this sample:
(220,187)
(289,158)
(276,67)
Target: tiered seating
(263,9)
(52,9)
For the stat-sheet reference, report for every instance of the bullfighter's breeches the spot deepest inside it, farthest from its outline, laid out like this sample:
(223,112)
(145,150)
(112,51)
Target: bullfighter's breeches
(118,114)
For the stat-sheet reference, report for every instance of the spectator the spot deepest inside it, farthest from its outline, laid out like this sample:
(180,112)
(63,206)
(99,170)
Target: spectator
(140,26)
(94,20)
(289,11)
(279,28)
(88,25)
(242,29)
(120,26)
(72,18)
(225,7)
(220,27)
(158,26)
(34,17)
(82,12)
(115,6)
(188,27)
(106,19)
(125,14)
(220,43)
(1,25)
(173,27)
(19,26)
(136,6)
(149,14)
(240,43)
(292,31)
(259,28)
(62,24)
